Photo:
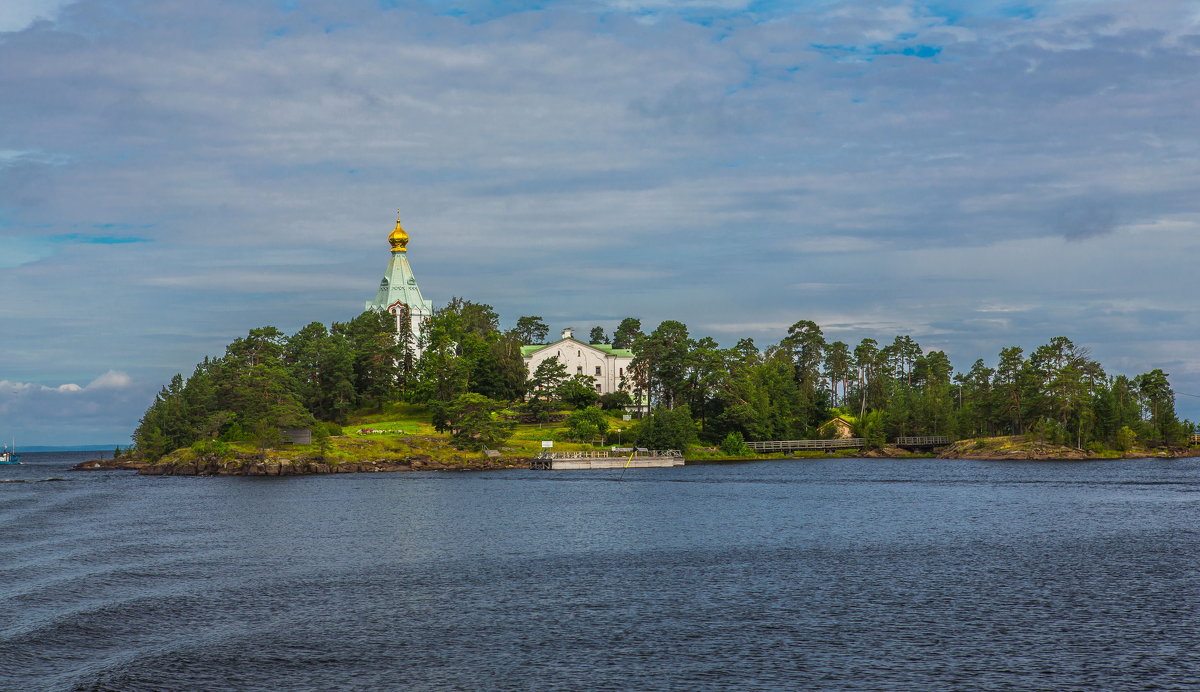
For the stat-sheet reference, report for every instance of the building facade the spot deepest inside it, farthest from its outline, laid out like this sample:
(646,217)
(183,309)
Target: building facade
(607,366)
(398,293)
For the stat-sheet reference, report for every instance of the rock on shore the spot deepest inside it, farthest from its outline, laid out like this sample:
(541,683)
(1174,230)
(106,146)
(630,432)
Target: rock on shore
(121,464)
(1016,447)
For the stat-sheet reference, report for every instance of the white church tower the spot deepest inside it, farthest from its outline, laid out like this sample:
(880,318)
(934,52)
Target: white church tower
(398,292)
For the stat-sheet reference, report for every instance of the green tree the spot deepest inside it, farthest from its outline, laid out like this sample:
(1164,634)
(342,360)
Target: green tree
(472,421)
(866,356)
(806,344)
(597,336)
(377,356)
(1008,388)
(706,373)
(838,368)
(662,360)
(547,377)
(977,410)
(531,330)
(667,428)
(627,333)
(321,365)
(578,391)
(1159,402)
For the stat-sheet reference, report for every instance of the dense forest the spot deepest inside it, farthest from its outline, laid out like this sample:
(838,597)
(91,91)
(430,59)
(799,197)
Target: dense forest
(690,389)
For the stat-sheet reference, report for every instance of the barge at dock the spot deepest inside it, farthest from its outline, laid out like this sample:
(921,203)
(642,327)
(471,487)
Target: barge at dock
(608,459)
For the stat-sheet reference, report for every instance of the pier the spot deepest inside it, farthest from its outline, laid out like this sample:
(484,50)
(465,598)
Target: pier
(607,459)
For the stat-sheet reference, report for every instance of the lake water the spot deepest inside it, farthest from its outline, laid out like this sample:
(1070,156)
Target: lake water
(782,575)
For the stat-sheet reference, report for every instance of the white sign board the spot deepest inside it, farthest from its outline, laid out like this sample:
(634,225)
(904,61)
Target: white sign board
(547,443)
(626,417)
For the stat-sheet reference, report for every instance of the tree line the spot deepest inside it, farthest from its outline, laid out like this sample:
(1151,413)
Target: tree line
(689,388)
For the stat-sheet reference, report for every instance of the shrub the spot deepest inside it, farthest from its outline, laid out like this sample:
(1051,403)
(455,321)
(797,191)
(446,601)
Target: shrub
(873,428)
(615,400)
(735,445)
(586,424)
(211,448)
(326,427)
(1126,439)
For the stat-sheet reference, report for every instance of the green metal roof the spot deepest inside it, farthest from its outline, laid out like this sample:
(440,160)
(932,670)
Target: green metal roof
(527,351)
(399,284)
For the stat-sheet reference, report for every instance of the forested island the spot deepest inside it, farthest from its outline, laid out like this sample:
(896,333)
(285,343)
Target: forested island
(374,401)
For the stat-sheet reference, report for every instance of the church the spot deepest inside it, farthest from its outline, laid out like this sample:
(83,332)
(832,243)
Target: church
(398,293)
(399,296)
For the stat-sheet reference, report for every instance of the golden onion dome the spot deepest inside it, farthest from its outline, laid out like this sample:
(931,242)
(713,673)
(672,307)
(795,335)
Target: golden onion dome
(398,238)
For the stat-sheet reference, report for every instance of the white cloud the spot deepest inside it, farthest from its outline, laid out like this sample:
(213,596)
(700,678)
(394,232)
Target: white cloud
(16,15)
(111,380)
(97,413)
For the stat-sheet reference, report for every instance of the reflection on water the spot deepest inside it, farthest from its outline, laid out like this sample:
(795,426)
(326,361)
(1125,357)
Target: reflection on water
(847,574)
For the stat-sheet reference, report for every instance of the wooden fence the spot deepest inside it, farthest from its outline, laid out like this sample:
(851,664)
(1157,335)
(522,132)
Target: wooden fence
(794,445)
(924,441)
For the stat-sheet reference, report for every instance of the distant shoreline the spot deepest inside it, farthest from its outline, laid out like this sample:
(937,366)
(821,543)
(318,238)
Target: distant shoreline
(70,448)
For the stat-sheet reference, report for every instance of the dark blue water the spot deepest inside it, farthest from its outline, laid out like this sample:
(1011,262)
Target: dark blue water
(839,575)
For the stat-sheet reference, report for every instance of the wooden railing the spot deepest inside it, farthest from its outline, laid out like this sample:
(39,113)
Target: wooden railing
(794,445)
(609,454)
(924,441)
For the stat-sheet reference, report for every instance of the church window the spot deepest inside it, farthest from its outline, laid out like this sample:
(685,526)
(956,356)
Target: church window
(578,369)
(621,371)
(597,369)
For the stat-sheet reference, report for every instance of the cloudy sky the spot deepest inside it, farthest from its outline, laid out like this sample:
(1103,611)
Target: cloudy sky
(977,174)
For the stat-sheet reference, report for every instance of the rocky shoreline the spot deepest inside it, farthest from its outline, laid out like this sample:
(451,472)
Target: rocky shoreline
(1017,449)
(987,449)
(293,467)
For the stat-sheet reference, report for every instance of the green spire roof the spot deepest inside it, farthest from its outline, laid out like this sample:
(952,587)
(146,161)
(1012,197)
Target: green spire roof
(399,284)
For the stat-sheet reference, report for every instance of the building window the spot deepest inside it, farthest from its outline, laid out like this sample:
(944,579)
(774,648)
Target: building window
(597,370)
(597,388)
(579,353)
(578,369)
(621,372)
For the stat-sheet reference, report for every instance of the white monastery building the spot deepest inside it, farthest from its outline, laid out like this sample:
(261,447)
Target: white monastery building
(398,292)
(607,366)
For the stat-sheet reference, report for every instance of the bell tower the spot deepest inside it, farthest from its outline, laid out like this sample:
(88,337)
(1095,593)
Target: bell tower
(398,293)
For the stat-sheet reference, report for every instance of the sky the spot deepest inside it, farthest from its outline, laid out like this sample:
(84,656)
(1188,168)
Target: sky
(975,174)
